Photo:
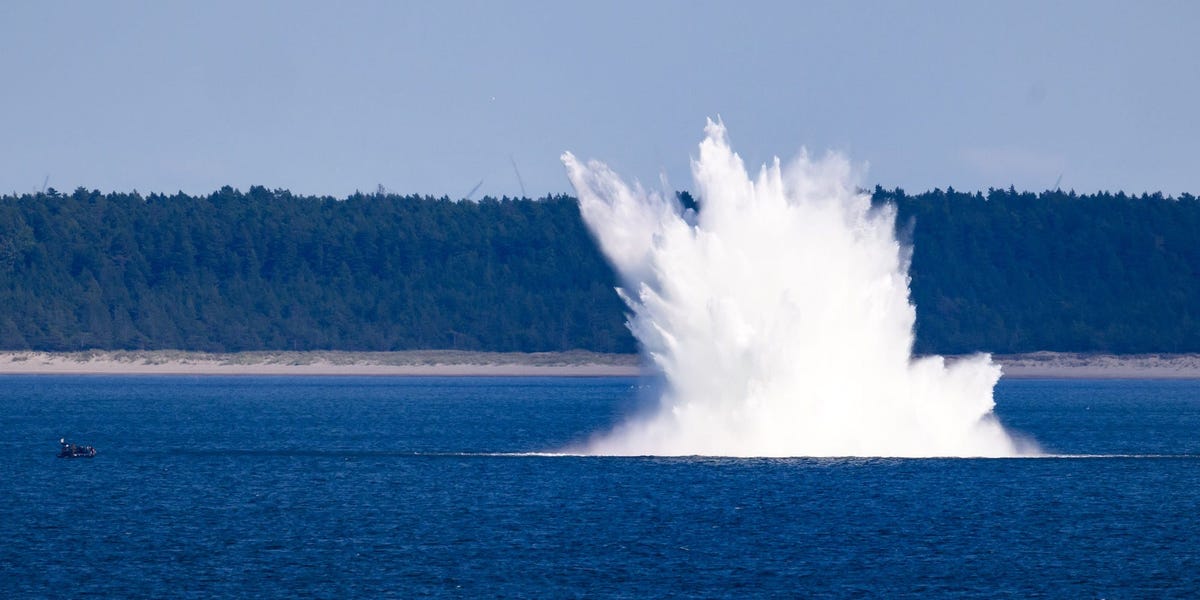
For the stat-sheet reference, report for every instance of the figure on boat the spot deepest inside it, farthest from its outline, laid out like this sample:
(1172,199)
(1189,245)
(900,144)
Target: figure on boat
(72,451)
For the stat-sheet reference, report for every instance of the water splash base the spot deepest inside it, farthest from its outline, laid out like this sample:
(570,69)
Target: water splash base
(778,315)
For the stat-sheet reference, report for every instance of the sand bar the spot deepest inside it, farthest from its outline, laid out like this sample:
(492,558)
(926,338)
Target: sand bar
(1100,366)
(413,363)
(481,364)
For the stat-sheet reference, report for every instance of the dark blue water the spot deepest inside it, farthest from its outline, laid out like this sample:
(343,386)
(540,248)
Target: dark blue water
(271,487)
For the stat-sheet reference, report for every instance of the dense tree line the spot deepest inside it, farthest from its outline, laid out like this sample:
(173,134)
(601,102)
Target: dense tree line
(269,270)
(1003,271)
(1012,271)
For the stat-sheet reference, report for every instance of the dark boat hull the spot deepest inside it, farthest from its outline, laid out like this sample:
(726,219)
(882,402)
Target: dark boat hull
(83,452)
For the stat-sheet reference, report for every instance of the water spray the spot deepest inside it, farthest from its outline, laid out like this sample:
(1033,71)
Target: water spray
(778,317)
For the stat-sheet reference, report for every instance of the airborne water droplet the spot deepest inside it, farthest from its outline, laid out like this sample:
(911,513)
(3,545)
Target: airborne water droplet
(779,318)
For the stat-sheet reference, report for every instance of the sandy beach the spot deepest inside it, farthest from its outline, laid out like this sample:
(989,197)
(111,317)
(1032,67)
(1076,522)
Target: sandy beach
(412,363)
(1100,366)
(499,364)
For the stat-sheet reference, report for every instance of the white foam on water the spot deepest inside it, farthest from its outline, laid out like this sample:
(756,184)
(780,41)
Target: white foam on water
(779,318)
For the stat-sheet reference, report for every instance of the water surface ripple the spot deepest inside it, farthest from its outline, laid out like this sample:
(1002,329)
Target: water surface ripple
(275,487)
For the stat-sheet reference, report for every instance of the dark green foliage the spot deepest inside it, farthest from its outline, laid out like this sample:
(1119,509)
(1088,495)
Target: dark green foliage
(267,270)
(1010,271)
(1003,271)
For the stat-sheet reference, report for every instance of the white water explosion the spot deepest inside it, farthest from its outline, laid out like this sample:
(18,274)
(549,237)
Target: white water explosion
(778,315)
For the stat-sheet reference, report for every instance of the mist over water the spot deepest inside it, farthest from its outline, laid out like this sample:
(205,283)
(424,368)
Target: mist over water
(778,317)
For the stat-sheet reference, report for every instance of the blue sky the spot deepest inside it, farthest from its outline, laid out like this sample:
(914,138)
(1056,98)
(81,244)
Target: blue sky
(432,97)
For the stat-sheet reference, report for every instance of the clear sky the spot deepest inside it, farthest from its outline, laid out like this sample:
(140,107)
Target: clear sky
(432,97)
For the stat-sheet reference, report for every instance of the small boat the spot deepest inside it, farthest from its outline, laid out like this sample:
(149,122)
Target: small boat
(72,451)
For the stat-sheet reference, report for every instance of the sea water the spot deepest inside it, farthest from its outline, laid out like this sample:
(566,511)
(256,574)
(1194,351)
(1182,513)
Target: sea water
(281,487)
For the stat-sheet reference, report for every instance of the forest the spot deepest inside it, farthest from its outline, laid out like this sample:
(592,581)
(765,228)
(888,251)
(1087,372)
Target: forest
(1001,271)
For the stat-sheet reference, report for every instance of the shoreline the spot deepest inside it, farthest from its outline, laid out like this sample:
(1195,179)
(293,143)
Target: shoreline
(451,363)
(1070,365)
(414,363)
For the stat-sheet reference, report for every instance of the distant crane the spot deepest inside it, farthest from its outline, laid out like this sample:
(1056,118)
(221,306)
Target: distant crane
(520,180)
(473,190)
(44,183)
(518,172)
